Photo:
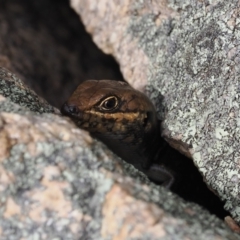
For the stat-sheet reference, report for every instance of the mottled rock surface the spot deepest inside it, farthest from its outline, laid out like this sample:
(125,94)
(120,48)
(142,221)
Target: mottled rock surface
(56,182)
(185,53)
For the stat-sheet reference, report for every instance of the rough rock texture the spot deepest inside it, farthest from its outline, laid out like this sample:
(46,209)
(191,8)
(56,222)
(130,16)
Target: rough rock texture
(58,183)
(11,86)
(187,54)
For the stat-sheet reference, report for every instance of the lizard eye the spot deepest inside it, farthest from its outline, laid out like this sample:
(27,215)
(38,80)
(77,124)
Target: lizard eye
(109,103)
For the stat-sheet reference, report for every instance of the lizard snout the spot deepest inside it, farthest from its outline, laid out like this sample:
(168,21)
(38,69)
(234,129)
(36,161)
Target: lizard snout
(70,110)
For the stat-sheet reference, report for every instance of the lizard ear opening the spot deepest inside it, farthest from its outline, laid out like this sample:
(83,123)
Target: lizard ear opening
(147,120)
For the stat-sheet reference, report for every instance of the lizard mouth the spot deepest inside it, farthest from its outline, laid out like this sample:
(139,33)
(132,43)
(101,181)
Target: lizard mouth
(71,111)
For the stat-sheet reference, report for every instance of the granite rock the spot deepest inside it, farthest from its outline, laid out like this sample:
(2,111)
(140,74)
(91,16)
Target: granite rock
(186,54)
(56,182)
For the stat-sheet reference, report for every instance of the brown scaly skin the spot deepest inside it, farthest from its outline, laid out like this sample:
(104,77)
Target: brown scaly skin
(122,118)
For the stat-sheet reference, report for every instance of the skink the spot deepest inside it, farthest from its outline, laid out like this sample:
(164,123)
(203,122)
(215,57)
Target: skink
(125,120)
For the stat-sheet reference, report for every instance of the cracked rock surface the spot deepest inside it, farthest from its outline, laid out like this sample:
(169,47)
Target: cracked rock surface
(185,53)
(56,182)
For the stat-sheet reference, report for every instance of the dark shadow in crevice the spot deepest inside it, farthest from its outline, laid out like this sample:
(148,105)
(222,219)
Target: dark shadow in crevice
(48,47)
(188,182)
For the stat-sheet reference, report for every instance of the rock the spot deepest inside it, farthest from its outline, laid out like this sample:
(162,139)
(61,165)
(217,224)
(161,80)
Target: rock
(11,86)
(185,53)
(58,183)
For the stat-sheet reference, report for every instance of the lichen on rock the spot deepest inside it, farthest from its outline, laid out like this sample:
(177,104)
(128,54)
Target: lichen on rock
(57,182)
(188,53)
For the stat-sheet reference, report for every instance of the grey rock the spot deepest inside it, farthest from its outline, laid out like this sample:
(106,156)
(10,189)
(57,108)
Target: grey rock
(58,183)
(11,86)
(187,54)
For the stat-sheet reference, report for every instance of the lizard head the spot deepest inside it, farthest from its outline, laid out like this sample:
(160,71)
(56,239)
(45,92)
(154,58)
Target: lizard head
(107,107)
(124,119)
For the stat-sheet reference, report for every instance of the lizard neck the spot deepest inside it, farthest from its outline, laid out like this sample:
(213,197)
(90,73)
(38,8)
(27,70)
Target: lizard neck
(140,150)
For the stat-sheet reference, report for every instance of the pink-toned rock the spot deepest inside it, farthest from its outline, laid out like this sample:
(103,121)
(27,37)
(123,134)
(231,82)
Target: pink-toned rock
(57,182)
(186,54)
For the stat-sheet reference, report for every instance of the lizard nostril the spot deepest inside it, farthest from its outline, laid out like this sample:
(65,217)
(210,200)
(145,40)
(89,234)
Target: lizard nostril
(69,110)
